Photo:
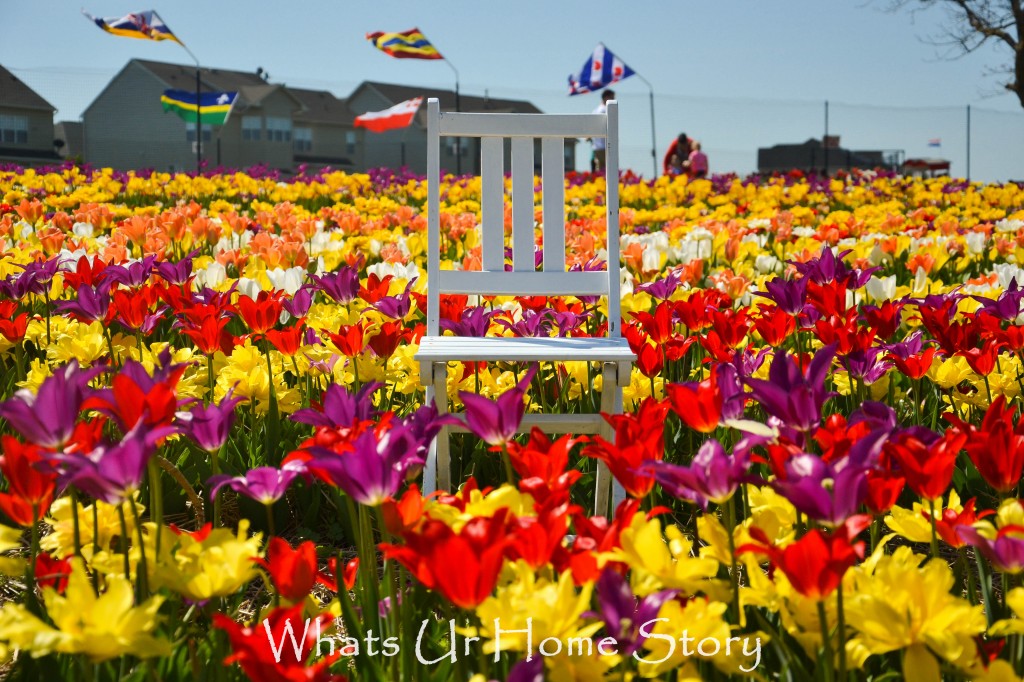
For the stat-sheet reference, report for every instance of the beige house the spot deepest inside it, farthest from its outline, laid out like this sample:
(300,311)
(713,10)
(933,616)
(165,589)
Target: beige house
(26,124)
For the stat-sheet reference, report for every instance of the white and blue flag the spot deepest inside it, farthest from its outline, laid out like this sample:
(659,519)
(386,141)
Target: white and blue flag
(600,70)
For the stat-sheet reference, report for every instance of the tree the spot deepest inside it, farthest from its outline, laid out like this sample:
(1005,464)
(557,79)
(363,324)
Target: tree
(973,23)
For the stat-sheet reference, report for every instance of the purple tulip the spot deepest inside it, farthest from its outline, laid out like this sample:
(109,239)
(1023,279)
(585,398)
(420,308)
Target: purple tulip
(568,322)
(397,307)
(912,345)
(473,322)
(527,670)
(298,305)
(1007,306)
(374,469)
(48,417)
(133,275)
(791,397)
(1006,551)
(534,323)
(623,614)
(91,305)
(867,365)
(713,476)
(35,279)
(789,295)
(209,425)
(179,273)
(825,493)
(112,473)
(340,408)
(661,289)
(496,421)
(341,286)
(266,485)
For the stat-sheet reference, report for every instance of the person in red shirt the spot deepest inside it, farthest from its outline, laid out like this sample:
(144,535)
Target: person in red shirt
(677,158)
(698,160)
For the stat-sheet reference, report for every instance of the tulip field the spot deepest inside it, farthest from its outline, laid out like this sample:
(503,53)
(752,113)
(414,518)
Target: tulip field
(213,432)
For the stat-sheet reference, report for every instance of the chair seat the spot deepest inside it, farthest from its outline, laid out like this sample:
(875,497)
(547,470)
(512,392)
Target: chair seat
(528,349)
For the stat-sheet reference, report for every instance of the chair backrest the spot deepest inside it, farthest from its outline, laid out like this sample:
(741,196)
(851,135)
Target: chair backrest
(522,130)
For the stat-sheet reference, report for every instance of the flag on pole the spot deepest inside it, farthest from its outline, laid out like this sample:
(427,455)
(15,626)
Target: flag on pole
(213,107)
(411,44)
(398,116)
(935,142)
(599,71)
(145,25)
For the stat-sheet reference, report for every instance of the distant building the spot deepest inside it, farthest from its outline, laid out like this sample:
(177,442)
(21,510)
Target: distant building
(126,126)
(69,140)
(408,146)
(26,124)
(282,127)
(812,155)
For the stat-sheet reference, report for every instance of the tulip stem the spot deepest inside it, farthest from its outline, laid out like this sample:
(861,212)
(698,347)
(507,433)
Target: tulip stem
(931,521)
(734,583)
(985,580)
(826,642)
(124,542)
(143,570)
(842,632)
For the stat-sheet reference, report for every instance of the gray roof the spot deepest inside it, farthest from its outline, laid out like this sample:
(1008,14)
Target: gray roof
(15,94)
(321,106)
(446,98)
(183,77)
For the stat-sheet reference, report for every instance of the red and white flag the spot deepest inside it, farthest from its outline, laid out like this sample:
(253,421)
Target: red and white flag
(398,116)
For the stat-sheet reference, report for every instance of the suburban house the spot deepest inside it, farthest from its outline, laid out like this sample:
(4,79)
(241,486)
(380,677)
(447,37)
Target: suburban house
(323,132)
(408,146)
(816,155)
(126,126)
(279,126)
(26,124)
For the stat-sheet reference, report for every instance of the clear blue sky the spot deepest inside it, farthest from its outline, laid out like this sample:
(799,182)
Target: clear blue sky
(735,74)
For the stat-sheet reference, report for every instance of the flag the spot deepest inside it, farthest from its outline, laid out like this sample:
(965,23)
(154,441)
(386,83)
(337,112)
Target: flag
(146,25)
(214,106)
(398,116)
(411,44)
(935,142)
(599,71)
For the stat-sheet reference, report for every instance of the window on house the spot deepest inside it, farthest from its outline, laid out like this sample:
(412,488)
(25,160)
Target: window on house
(302,139)
(14,129)
(252,127)
(190,132)
(454,146)
(350,142)
(279,129)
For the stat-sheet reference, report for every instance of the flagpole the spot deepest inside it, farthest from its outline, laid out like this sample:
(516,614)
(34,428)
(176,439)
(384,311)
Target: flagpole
(199,111)
(458,140)
(654,144)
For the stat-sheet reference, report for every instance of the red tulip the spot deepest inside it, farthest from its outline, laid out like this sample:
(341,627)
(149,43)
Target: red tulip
(926,460)
(288,340)
(14,329)
(349,339)
(463,566)
(30,491)
(649,361)
(915,366)
(947,524)
(698,405)
(385,341)
(53,573)
(543,466)
(774,325)
(658,326)
(375,289)
(814,564)
(293,571)
(884,488)
(266,651)
(997,446)
(262,314)
(639,438)
(329,578)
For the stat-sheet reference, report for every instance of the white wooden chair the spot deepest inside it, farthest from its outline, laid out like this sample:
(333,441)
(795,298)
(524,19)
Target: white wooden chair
(436,351)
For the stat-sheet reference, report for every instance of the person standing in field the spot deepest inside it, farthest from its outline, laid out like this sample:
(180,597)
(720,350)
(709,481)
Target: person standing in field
(698,161)
(597,161)
(677,157)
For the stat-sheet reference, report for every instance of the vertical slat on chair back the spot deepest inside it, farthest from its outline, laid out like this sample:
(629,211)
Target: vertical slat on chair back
(433,217)
(553,202)
(492,200)
(612,213)
(522,205)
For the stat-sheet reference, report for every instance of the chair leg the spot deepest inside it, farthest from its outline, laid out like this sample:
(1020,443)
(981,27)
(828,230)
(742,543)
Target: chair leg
(618,492)
(430,467)
(609,388)
(442,454)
